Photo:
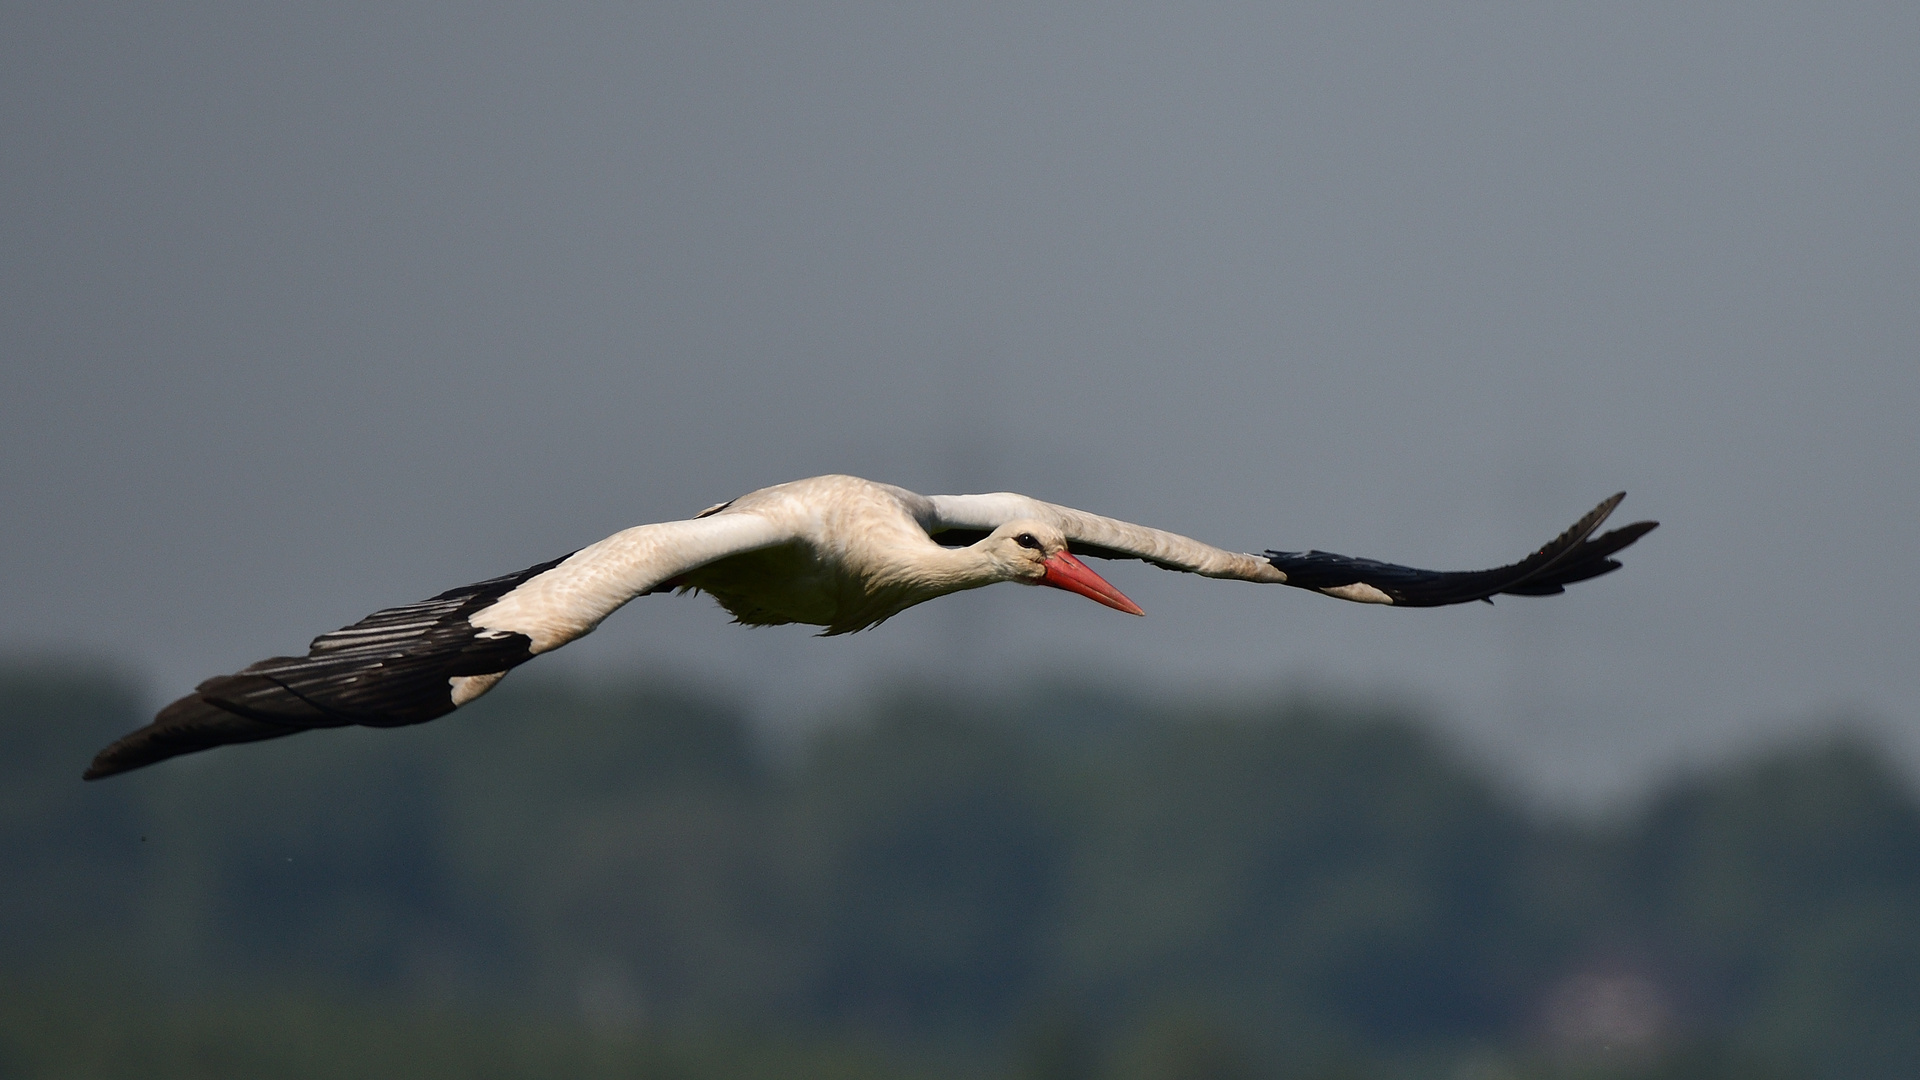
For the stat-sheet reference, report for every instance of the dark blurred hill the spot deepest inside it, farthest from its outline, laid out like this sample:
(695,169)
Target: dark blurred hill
(1046,885)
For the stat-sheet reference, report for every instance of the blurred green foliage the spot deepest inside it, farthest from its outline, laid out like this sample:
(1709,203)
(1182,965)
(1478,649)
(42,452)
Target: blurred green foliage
(58,1033)
(568,881)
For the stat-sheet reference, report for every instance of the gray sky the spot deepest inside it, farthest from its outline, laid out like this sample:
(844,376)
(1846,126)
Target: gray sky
(311,309)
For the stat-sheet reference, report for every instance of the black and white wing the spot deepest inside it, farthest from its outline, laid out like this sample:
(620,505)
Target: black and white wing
(1575,555)
(414,663)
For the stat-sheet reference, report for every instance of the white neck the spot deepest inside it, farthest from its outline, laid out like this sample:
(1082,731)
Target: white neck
(941,570)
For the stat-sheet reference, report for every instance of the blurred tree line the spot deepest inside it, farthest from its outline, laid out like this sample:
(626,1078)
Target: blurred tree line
(599,881)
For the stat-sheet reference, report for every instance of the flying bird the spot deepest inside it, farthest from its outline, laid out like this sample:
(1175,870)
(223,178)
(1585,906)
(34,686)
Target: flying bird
(833,551)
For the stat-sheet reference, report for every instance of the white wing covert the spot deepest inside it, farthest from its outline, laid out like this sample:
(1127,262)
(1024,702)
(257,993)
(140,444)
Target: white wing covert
(965,519)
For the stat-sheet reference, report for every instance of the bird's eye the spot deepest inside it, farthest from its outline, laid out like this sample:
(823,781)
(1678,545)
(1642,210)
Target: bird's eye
(1026,540)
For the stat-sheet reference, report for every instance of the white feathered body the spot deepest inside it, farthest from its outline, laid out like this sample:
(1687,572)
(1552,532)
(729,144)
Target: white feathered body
(832,551)
(860,554)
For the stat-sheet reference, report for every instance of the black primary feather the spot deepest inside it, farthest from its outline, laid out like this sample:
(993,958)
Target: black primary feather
(1574,555)
(387,670)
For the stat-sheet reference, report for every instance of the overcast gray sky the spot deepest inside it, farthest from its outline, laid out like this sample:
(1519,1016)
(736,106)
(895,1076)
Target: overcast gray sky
(311,309)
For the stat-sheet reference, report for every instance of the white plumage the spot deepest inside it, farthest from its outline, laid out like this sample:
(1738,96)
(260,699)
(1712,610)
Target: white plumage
(832,551)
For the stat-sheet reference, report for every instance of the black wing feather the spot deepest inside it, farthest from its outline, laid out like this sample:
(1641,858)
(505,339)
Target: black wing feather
(956,538)
(387,670)
(1574,555)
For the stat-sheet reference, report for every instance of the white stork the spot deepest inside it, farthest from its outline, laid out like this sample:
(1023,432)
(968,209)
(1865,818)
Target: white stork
(832,551)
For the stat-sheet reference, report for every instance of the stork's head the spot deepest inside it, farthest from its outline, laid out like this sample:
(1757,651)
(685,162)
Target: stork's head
(1035,553)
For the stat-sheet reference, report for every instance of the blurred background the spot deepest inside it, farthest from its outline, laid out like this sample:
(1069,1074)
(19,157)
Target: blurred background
(304,313)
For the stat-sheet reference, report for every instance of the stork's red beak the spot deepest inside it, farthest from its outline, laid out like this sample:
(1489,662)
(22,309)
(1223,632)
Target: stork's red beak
(1066,572)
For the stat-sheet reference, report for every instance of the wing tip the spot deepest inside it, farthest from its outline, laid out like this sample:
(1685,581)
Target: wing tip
(190,724)
(1575,555)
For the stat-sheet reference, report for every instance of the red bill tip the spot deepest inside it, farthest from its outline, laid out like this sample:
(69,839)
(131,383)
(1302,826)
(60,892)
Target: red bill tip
(1066,572)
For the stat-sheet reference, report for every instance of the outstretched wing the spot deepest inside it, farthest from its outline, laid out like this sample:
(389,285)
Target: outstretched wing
(414,663)
(1574,555)
(958,520)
